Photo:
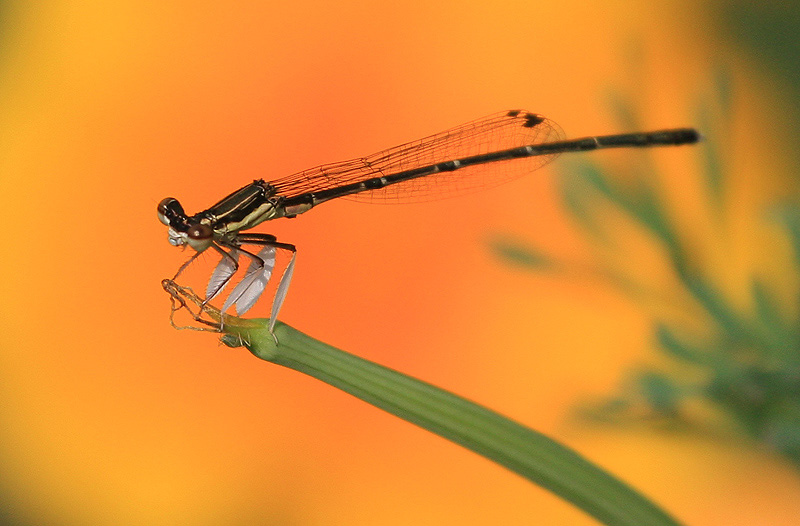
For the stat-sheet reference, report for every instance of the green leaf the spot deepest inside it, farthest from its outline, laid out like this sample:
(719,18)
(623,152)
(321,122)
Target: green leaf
(713,170)
(649,209)
(770,31)
(712,117)
(580,202)
(788,214)
(678,348)
(625,112)
(644,206)
(514,446)
(723,89)
(776,332)
(717,306)
(520,449)
(593,177)
(782,429)
(523,256)
(659,391)
(766,310)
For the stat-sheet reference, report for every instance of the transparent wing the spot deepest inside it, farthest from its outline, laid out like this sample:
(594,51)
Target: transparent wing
(501,131)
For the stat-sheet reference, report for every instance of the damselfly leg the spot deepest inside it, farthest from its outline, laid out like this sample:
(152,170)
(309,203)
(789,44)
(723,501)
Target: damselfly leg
(262,258)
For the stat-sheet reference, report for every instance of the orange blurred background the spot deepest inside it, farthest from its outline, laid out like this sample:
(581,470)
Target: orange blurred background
(110,416)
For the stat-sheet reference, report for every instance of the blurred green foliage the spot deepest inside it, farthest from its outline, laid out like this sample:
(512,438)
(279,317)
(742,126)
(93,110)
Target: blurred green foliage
(768,33)
(741,364)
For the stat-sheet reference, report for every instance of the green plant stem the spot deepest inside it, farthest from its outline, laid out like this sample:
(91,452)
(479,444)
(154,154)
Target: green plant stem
(522,450)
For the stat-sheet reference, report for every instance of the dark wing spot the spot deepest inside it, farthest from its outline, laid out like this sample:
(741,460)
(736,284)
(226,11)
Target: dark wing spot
(532,119)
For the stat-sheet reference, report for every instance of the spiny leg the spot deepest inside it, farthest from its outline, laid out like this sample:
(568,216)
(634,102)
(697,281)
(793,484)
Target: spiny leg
(286,277)
(233,267)
(252,284)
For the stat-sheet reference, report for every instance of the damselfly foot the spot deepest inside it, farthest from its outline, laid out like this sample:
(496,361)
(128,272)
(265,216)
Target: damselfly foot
(205,316)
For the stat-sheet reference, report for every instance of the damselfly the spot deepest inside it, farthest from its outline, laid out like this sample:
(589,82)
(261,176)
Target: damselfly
(476,155)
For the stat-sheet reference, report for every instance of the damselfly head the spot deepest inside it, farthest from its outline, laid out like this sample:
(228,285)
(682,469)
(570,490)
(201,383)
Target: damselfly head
(197,236)
(183,230)
(170,212)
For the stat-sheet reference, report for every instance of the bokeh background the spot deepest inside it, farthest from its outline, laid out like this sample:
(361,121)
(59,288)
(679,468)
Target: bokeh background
(110,416)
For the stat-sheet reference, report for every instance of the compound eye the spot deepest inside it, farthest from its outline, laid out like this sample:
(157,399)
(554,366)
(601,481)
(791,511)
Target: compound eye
(199,237)
(169,209)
